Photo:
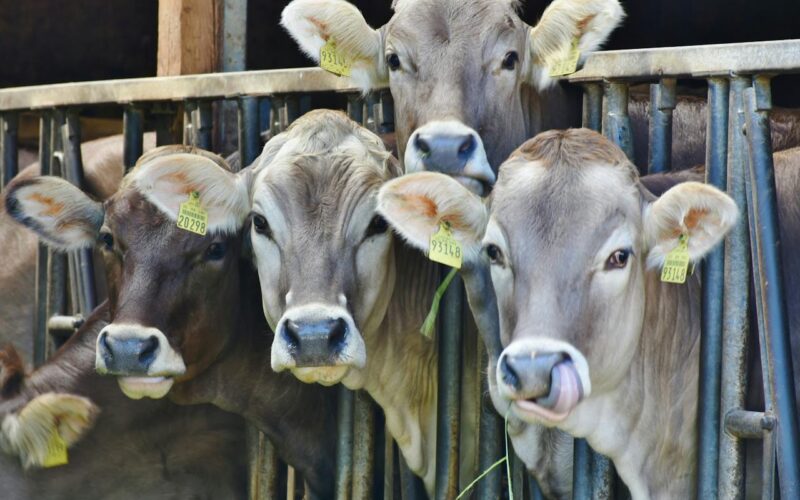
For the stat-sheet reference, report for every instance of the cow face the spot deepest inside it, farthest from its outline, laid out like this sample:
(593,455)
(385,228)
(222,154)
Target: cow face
(572,237)
(464,74)
(170,290)
(323,253)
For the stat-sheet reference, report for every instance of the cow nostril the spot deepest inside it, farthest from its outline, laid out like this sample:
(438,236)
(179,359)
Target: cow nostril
(337,335)
(291,335)
(422,145)
(105,346)
(148,352)
(510,376)
(467,146)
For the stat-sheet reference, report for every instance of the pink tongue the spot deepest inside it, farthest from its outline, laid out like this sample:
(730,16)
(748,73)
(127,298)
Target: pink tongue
(570,391)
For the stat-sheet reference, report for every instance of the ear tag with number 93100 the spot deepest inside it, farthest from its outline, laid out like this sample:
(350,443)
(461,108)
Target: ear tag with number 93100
(444,248)
(333,61)
(191,216)
(56,451)
(677,262)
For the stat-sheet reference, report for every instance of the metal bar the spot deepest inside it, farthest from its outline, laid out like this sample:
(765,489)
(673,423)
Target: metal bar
(518,474)
(534,491)
(249,137)
(748,424)
(617,123)
(344,447)
(602,477)
(448,411)
(581,470)
(204,125)
(355,107)
(266,474)
(40,307)
(57,282)
(163,117)
(593,106)
(363,446)
(491,437)
(712,277)
(384,114)
(762,176)
(662,102)
(288,111)
(133,133)
(736,293)
(411,486)
(189,134)
(9,126)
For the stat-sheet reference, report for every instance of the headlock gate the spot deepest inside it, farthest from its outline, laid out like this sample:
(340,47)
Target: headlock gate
(738,160)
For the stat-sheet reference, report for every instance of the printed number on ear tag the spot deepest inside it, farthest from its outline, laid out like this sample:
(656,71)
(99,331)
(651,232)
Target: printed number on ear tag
(568,65)
(191,216)
(332,61)
(677,263)
(444,248)
(56,451)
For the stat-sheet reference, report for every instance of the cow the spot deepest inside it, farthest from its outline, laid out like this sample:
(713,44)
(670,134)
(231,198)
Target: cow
(594,342)
(103,170)
(152,449)
(471,81)
(184,316)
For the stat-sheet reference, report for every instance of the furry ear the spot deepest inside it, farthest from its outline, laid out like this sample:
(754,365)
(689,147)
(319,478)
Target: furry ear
(699,211)
(312,23)
(168,176)
(60,213)
(588,21)
(415,204)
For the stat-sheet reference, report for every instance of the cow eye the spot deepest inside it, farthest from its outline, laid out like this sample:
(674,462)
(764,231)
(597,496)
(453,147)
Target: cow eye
(393,61)
(377,225)
(618,259)
(510,60)
(261,225)
(494,253)
(216,251)
(107,239)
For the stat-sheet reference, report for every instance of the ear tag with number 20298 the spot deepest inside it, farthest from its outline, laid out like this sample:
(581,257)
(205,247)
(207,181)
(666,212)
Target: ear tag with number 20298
(191,216)
(333,61)
(444,248)
(677,262)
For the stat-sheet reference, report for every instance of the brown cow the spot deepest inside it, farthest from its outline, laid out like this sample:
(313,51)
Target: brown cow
(185,310)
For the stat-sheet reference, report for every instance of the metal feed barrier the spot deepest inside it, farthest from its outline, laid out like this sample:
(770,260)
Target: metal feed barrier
(738,159)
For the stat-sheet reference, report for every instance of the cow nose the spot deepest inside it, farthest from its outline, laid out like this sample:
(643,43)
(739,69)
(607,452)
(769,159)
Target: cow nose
(529,376)
(127,355)
(446,153)
(315,343)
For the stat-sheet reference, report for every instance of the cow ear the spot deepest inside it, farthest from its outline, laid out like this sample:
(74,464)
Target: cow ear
(312,23)
(416,204)
(696,211)
(589,22)
(170,177)
(60,213)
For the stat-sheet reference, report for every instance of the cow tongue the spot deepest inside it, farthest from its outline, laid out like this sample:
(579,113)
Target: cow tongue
(565,392)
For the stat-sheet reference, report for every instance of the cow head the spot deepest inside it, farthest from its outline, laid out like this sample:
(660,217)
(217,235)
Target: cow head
(575,243)
(170,290)
(323,254)
(465,74)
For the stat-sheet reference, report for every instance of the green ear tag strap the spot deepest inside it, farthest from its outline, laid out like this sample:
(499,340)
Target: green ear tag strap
(430,322)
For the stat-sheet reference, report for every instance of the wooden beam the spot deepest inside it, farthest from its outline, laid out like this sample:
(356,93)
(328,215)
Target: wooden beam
(188,37)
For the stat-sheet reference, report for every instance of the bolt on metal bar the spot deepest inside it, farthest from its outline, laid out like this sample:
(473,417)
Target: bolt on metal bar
(363,445)
(65,323)
(711,318)
(9,167)
(749,424)
(662,102)
(758,102)
(133,134)
(344,446)
(448,411)
(593,106)
(735,300)
(249,133)
(204,125)
(617,123)
(40,306)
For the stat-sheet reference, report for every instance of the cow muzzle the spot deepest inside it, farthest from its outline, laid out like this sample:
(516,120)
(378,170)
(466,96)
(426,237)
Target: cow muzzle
(542,381)
(452,148)
(318,343)
(141,357)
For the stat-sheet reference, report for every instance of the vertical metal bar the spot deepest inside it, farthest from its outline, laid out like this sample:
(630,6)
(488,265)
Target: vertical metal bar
(708,419)
(518,474)
(249,137)
(765,206)
(617,123)
(133,133)
(389,465)
(534,491)
(384,114)
(41,306)
(71,137)
(662,102)
(602,477)
(581,475)
(344,448)
(267,474)
(736,294)
(491,437)
(204,127)
(189,133)
(355,107)
(363,446)
(275,125)
(448,411)
(163,116)
(9,126)
(288,111)
(411,486)
(593,106)
(57,279)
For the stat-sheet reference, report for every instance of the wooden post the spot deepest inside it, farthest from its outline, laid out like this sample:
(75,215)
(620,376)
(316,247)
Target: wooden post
(188,40)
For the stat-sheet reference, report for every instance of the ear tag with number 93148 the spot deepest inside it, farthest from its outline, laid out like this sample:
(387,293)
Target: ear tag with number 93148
(191,216)
(333,61)
(677,262)
(56,451)
(444,248)
(569,64)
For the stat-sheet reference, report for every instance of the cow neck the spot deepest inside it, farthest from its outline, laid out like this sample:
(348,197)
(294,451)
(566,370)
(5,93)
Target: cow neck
(659,392)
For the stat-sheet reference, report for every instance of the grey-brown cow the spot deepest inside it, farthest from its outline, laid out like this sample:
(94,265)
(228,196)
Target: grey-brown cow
(595,344)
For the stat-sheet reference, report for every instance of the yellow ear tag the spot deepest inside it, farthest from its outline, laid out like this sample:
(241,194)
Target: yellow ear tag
(191,216)
(677,263)
(332,61)
(444,249)
(56,451)
(568,65)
